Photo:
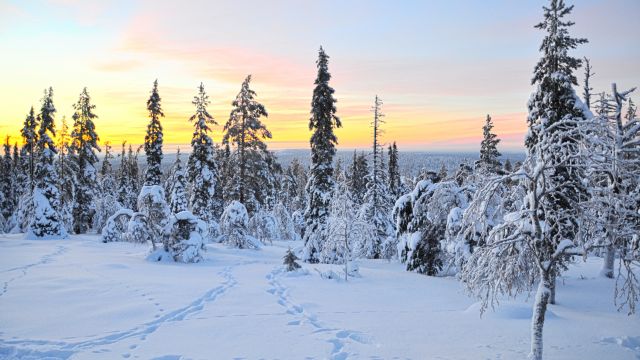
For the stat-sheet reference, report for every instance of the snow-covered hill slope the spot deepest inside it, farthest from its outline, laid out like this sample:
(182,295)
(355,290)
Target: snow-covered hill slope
(82,299)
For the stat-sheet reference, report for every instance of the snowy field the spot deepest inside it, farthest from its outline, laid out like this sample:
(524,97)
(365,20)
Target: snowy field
(82,299)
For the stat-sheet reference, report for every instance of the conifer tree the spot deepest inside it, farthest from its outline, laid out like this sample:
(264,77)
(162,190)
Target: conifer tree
(489,153)
(178,189)
(46,222)
(20,170)
(394,171)
(153,139)
(442,174)
(357,177)
(107,204)
(250,182)
(202,172)
(30,138)
(289,260)
(377,203)
(84,144)
(323,148)
(586,89)
(67,176)
(7,182)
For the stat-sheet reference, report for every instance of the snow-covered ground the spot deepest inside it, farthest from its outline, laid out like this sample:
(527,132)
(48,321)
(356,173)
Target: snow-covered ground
(82,299)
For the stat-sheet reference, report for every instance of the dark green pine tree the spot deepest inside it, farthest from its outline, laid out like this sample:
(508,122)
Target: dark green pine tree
(249,183)
(289,260)
(153,139)
(357,178)
(394,172)
(46,222)
(30,138)
(555,110)
(7,182)
(489,153)
(202,172)
(84,144)
(323,148)
(20,169)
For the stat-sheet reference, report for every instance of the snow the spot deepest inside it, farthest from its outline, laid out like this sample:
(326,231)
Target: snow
(82,299)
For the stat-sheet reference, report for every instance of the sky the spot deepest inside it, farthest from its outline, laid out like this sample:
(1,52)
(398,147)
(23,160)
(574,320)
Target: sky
(439,66)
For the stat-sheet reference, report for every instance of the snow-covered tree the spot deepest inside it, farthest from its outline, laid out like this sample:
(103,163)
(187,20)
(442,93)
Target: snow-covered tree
(67,175)
(153,139)
(357,177)
(294,179)
(378,201)
(250,181)
(233,227)
(489,153)
(84,144)
(107,204)
(46,222)
(202,172)
(152,204)
(323,148)
(289,260)
(347,232)
(183,237)
(284,222)
(30,138)
(533,243)
(128,178)
(7,183)
(178,197)
(264,226)
(586,88)
(394,172)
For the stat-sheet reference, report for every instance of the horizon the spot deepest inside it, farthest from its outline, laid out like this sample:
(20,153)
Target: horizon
(439,68)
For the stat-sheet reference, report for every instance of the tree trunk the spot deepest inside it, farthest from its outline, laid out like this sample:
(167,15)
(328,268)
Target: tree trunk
(607,266)
(537,320)
(552,287)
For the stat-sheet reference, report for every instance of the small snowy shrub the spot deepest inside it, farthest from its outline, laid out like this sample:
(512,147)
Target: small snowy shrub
(183,237)
(233,227)
(116,226)
(290,261)
(264,227)
(138,230)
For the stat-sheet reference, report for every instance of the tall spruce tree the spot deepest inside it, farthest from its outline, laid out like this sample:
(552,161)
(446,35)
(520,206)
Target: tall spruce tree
(489,153)
(323,148)
(153,139)
(357,178)
(46,222)
(84,144)
(553,102)
(377,202)
(67,169)
(7,182)
(30,138)
(394,171)
(250,183)
(202,172)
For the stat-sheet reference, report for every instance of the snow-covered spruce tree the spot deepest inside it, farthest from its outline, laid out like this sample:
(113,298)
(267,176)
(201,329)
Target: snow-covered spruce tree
(233,227)
(202,172)
(555,100)
(507,166)
(127,180)
(323,148)
(178,197)
(107,204)
(489,153)
(7,184)
(170,177)
(357,177)
(394,172)
(289,260)
(152,204)
(20,187)
(442,174)
(377,201)
(84,144)
(249,183)
(533,243)
(153,139)
(30,138)
(586,87)
(67,168)
(264,226)
(46,222)
(421,223)
(183,238)
(284,222)
(346,231)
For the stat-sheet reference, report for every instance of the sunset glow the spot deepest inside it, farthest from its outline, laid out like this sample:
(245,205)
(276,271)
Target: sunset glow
(439,68)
